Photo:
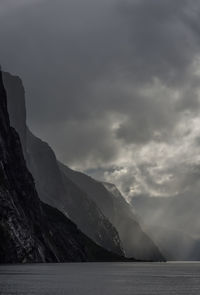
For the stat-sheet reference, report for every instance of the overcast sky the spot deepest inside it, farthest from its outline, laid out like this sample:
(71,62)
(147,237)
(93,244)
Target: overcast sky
(113,86)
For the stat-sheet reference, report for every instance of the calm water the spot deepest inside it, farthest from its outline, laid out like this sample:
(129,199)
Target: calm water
(101,279)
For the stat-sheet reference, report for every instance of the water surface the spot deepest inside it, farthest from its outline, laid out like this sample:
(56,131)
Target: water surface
(101,279)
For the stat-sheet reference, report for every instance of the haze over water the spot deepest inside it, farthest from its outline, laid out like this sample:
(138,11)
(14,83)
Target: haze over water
(101,279)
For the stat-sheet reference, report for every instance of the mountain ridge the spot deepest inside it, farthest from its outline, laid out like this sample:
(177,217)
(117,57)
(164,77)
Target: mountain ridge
(96,219)
(31,231)
(120,213)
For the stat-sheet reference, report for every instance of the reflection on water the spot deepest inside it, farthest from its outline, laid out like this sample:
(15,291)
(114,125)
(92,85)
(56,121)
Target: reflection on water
(101,279)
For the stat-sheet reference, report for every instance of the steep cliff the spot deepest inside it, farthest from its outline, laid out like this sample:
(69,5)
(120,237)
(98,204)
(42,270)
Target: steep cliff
(31,231)
(108,198)
(87,202)
(14,88)
(52,185)
(59,191)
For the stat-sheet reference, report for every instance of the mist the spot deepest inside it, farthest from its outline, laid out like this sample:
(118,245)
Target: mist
(120,79)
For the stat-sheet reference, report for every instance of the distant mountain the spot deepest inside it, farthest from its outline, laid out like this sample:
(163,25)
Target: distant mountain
(175,245)
(88,203)
(179,212)
(174,224)
(135,242)
(31,231)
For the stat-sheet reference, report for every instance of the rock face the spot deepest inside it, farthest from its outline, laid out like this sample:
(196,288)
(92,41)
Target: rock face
(53,187)
(31,231)
(14,88)
(107,220)
(59,191)
(108,198)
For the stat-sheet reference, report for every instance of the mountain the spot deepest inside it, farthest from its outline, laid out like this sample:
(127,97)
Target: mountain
(135,242)
(31,231)
(59,191)
(179,212)
(53,187)
(175,245)
(14,88)
(174,224)
(107,220)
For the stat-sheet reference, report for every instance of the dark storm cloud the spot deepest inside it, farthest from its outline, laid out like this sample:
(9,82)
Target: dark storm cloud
(108,80)
(163,37)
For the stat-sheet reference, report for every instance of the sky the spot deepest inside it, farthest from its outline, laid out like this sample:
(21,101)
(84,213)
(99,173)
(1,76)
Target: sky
(113,86)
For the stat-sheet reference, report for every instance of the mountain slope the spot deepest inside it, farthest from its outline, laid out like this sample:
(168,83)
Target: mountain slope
(119,212)
(31,231)
(52,185)
(87,202)
(179,212)
(59,191)
(175,245)
(174,224)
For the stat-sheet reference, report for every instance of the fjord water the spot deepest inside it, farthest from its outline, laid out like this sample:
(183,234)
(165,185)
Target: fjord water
(101,279)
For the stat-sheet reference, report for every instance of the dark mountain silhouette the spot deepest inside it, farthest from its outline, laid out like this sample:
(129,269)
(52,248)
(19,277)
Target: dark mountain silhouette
(87,202)
(53,187)
(120,213)
(31,231)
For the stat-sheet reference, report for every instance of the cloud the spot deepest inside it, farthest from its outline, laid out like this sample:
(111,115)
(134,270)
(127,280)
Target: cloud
(112,85)
(7,6)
